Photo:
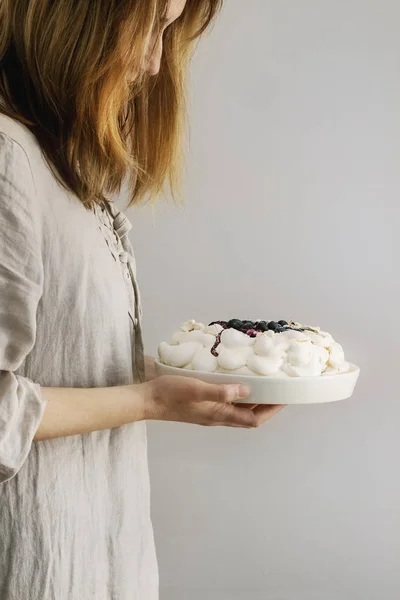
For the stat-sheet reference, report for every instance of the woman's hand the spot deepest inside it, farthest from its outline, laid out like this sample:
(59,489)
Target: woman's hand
(188,400)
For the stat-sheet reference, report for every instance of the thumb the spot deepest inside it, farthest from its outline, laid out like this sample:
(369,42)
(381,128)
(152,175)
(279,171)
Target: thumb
(229,393)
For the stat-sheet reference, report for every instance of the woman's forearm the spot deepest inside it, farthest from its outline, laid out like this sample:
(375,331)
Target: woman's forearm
(71,411)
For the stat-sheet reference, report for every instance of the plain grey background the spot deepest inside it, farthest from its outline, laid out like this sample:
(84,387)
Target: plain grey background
(292,200)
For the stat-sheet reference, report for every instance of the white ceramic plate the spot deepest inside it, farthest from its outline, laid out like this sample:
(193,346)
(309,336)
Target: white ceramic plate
(267,390)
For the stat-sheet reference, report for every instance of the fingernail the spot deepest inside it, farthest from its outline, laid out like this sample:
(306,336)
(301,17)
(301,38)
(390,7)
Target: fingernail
(243,391)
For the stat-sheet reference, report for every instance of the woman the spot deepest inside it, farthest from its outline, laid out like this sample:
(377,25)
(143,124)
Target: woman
(91,95)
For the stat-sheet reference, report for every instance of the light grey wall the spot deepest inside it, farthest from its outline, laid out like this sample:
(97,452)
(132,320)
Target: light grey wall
(292,201)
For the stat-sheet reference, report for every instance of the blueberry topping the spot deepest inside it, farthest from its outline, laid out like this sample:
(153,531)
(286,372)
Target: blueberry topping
(235,324)
(253,327)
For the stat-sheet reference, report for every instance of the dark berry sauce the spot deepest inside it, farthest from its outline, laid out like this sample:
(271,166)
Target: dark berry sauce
(252,328)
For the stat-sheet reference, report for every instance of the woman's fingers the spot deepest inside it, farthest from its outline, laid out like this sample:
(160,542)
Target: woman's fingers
(233,416)
(250,406)
(265,412)
(229,412)
(243,416)
(223,394)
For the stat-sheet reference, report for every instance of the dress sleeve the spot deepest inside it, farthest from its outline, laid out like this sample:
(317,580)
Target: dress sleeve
(21,285)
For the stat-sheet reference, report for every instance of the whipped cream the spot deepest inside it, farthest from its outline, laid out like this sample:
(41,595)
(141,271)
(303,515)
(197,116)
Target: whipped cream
(295,352)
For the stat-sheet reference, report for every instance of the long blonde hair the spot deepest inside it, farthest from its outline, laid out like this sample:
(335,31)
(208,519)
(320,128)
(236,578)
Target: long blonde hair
(63,74)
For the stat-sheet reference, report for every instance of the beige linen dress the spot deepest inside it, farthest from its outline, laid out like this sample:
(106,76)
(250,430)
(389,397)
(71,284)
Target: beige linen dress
(74,512)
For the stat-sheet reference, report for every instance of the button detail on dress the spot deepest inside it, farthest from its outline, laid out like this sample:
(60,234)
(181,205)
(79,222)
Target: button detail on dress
(124,257)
